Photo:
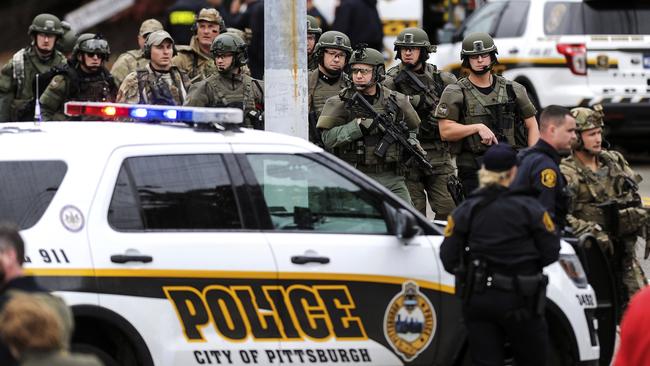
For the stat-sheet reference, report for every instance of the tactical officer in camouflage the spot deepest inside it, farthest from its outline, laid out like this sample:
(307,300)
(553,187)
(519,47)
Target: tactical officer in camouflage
(605,199)
(132,60)
(332,51)
(17,94)
(313,33)
(347,127)
(158,82)
(424,83)
(195,60)
(83,78)
(229,87)
(483,109)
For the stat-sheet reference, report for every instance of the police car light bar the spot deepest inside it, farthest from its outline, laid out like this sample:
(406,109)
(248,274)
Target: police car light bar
(158,113)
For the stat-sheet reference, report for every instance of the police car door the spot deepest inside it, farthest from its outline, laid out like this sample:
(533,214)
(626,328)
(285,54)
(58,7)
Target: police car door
(350,292)
(177,255)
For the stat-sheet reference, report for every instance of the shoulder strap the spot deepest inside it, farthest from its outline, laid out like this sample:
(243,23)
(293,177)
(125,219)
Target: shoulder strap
(141,75)
(18,63)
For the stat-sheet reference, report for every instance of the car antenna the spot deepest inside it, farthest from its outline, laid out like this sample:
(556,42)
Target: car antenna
(37,107)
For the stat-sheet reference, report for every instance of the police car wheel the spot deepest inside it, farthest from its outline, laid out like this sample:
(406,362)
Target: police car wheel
(90,349)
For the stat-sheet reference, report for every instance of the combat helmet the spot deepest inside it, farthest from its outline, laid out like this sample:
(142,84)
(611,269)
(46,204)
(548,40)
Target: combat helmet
(46,23)
(66,43)
(230,43)
(368,56)
(91,43)
(477,44)
(414,37)
(333,39)
(313,26)
(587,118)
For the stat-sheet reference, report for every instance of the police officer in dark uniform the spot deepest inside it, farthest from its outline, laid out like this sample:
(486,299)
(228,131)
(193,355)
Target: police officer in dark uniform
(498,264)
(539,169)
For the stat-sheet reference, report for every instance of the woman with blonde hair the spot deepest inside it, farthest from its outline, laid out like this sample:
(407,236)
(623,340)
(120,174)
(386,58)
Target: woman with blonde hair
(35,334)
(497,242)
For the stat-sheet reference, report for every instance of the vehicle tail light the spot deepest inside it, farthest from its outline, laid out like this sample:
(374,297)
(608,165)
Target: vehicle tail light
(576,56)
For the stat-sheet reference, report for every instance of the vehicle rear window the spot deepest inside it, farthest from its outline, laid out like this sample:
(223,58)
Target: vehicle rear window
(174,192)
(621,17)
(27,189)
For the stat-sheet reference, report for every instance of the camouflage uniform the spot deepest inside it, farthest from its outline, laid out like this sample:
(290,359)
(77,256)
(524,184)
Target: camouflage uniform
(149,86)
(321,86)
(355,143)
(17,77)
(613,181)
(196,64)
(72,83)
(419,181)
(133,60)
(230,88)
(146,86)
(502,111)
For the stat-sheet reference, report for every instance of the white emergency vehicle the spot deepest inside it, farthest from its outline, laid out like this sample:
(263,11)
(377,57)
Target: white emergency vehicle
(571,53)
(205,244)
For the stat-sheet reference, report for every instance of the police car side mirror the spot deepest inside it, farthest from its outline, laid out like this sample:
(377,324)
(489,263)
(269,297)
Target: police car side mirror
(406,226)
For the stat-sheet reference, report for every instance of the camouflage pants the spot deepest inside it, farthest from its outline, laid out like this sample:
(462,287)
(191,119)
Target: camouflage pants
(393,182)
(432,186)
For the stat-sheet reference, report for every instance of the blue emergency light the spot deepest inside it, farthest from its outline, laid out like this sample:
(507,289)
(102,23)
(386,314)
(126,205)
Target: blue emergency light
(154,113)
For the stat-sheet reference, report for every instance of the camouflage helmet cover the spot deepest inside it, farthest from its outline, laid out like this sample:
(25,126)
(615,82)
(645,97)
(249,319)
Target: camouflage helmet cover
(477,44)
(587,118)
(46,23)
(313,25)
(414,37)
(334,39)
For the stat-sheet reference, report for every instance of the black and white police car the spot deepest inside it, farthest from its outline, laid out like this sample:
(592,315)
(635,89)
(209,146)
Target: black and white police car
(206,244)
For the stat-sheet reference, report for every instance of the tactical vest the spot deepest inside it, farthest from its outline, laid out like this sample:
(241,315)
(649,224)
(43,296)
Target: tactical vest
(25,70)
(360,153)
(321,91)
(235,91)
(496,110)
(605,185)
(428,133)
(154,90)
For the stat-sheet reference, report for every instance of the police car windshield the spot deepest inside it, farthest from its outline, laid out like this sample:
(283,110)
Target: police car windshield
(621,17)
(28,187)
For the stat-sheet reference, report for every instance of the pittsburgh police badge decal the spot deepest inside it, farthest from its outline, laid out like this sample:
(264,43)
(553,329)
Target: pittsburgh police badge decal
(410,322)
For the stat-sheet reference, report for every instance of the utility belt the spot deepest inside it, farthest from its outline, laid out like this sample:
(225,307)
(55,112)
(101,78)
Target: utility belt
(478,278)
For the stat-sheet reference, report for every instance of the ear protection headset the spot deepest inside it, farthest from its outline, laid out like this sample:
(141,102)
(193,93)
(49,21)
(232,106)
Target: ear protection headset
(146,50)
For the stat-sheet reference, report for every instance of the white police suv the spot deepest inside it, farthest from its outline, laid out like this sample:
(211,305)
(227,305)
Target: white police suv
(206,244)
(571,53)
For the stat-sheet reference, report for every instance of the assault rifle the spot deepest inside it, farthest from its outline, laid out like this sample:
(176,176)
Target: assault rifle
(393,133)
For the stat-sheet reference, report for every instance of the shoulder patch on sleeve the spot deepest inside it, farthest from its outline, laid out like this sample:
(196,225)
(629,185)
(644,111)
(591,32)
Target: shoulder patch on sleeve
(548,222)
(449,229)
(442,110)
(548,178)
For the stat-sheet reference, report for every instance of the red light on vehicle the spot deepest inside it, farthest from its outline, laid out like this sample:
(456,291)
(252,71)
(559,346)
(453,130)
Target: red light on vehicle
(73,109)
(576,56)
(109,111)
